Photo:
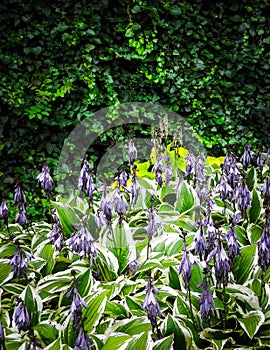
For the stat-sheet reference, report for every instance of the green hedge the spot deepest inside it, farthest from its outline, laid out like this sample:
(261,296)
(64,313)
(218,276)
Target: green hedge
(61,61)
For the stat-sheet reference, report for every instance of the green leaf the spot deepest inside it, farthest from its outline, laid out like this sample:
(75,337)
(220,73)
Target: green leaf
(115,309)
(134,326)
(96,305)
(251,322)
(251,178)
(245,294)
(254,211)
(196,277)
(185,198)
(174,281)
(244,264)
(164,344)
(5,271)
(139,341)
(47,332)
(115,341)
(67,217)
(254,233)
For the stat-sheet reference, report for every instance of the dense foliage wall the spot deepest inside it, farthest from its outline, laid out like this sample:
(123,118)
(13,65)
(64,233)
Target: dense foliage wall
(63,60)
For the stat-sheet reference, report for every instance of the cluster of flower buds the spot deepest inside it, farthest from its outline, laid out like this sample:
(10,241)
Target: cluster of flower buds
(81,242)
(45,180)
(56,234)
(86,182)
(19,262)
(83,341)
(20,201)
(151,306)
(21,316)
(4,212)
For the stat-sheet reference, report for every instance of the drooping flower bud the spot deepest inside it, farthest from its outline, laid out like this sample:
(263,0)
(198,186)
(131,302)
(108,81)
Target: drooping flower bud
(45,180)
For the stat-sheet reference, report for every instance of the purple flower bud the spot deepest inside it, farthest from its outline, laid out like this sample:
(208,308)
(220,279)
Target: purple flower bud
(19,262)
(133,266)
(4,212)
(86,183)
(21,218)
(83,342)
(243,197)
(222,264)
(185,267)
(21,316)
(190,167)
(132,152)
(207,305)
(224,189)
(260,160)
(247,156)
(153,222)
(120,204)
(265,189)
(81,243)
(123,177)
(150,305)
(200,241)
(231,170)
(76,307)
(158,169)
(233,244)
(264,248)
(168,174)
(19,196)
(45,180)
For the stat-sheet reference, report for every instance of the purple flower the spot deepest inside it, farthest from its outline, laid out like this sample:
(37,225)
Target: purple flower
(19,262)
(19,196)
(158,169)
(99,219)
(260,160)
(133,266)
(200,241)
(222,264)
(4,212)
(153,222)
(185,267)
(190,167)
(56,237)
(247,156)
(83,342)
(21,218)
(168,174)
(211,233)
(264,243)
(86,183)
(224,189)
(207,305)
(132,152)
(150,305)
(76,307)
(231,170)
(82,243)
(45,180)
(243,197)
(123,177)
(233,244)
(265,189)
(21,316)
(120,204)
